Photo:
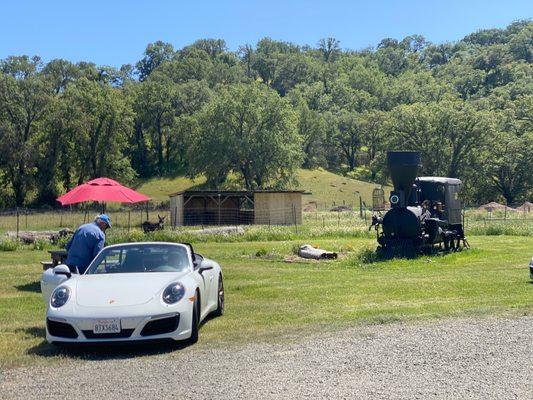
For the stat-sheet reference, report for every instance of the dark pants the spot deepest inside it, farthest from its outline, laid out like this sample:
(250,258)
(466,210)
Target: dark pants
(74,269)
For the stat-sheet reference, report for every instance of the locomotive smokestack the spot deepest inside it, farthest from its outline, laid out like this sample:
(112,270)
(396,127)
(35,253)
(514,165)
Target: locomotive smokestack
(403,166)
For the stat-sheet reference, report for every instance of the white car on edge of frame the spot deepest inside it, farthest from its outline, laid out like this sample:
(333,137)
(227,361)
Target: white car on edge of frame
(133,292)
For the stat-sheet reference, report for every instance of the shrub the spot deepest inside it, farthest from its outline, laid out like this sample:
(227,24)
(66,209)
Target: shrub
(367,255)
(9,245)
(494,231)
(41,244)
(261,252)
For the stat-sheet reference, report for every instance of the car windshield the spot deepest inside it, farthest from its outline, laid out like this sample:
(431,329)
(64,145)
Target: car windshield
(141,258)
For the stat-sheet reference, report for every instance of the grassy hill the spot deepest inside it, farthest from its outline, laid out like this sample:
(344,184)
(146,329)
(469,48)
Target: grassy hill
(326,188)
(160,188)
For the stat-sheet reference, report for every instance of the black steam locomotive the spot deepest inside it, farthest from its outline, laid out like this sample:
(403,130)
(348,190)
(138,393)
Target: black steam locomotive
(425,212)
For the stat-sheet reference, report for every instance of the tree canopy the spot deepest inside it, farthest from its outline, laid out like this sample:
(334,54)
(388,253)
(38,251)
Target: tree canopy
(257,114)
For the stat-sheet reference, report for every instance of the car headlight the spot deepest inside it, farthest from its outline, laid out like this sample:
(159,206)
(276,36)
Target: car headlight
(60,296)
(173,293)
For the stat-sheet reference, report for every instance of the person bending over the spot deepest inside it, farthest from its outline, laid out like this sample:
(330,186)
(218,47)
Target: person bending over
(86,243)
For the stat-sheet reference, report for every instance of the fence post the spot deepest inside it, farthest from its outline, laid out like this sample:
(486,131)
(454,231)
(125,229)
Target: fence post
(294,217)
(219,209)
(505,211)
(360,207)
(338,218)
(147,216)
(17,222)
(129,219)
(26,218)
(60,219)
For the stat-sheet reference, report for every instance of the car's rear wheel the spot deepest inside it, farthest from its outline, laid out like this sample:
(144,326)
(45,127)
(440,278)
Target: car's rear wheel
(195,320)
(220,307)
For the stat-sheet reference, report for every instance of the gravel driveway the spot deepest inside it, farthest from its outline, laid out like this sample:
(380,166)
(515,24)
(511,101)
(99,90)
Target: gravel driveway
(489,358)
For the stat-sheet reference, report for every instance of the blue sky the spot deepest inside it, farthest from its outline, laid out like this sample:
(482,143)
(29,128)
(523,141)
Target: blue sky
(117,32)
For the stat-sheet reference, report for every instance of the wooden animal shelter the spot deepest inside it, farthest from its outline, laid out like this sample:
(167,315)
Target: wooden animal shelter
(236,207)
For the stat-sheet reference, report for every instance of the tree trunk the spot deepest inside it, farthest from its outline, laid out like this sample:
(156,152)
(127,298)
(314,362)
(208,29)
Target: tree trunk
(159,148)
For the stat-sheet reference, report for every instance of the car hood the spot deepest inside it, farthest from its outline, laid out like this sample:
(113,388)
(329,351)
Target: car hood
(119,290)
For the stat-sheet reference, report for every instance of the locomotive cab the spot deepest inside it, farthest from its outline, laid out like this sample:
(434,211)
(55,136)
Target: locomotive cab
(443,197)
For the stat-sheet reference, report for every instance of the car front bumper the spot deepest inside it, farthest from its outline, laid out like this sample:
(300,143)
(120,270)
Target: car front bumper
(171,325)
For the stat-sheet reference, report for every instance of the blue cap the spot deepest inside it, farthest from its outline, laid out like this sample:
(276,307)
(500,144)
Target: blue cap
(105,218)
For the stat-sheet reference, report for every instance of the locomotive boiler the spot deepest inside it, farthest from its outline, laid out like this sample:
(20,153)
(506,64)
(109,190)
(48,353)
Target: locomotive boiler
(425,213)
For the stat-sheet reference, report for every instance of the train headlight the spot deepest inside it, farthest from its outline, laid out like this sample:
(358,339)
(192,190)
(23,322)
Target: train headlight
(394,199)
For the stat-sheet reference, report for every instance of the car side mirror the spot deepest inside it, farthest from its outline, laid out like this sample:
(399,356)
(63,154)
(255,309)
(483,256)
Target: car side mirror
(202,269)
(62,270)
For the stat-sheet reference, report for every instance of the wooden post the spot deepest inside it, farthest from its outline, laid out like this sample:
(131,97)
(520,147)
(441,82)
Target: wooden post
(60,219)
(219,209)
(294,218)
(505,211)
(26,218)
(129,219)
(360,207)
(147,216)
(17,222)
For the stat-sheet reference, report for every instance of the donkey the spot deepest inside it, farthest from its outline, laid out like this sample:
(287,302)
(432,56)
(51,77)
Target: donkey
(154,226)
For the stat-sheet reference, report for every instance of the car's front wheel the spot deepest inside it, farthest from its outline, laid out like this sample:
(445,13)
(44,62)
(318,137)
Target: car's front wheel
(195,320)
(220,305)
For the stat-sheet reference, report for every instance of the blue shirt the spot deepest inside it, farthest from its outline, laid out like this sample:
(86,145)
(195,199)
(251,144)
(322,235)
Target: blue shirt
(84,245)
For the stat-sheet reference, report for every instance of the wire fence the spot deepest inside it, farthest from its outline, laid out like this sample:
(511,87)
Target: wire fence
(339,215)
(31,219)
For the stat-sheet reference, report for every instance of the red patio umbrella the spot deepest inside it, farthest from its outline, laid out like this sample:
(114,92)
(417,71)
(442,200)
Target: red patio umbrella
(104,190)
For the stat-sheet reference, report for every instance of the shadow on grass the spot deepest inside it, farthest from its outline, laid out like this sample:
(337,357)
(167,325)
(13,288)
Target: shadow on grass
(34,287)
(374,256)
(99,351)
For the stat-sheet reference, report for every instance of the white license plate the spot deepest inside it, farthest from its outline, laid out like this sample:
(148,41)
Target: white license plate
(106,326)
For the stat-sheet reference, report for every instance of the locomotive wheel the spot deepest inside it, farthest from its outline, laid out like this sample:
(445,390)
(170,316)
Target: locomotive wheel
(446,244)
(458,244)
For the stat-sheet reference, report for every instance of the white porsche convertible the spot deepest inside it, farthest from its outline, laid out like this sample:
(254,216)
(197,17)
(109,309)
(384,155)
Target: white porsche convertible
(133,292)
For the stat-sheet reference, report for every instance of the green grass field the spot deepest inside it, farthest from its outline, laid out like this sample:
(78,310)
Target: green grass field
(269,299)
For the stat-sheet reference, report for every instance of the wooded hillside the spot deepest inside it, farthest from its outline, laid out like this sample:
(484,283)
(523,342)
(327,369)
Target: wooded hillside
(265,110)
